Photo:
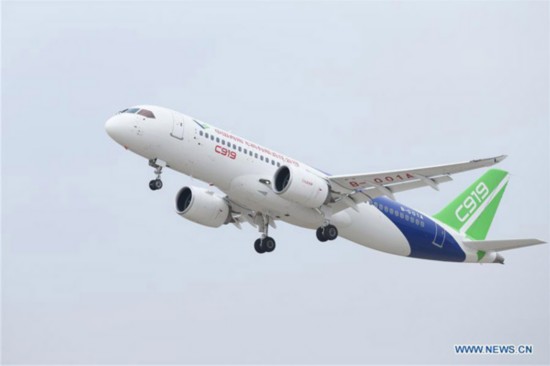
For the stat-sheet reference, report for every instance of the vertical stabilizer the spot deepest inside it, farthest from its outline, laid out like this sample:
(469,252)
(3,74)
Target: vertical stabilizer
(472,212)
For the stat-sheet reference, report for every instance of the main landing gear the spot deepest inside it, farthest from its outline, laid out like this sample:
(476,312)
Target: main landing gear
(328,232)
(156,183)
(265,244)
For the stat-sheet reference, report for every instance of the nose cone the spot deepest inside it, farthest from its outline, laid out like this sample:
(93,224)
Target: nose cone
(115,128)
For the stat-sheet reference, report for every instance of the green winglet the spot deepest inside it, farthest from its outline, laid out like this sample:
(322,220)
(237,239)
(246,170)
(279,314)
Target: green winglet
(472,212)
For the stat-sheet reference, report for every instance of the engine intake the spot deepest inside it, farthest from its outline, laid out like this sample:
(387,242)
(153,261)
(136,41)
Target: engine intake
(300,186)
(202,206)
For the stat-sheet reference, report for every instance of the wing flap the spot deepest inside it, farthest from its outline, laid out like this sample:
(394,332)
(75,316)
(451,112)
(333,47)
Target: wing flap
(367,194)
(392,179)
(500,245)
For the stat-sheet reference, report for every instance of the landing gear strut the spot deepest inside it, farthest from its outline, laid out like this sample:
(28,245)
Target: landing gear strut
(328,232)
(265,244)
(156,183)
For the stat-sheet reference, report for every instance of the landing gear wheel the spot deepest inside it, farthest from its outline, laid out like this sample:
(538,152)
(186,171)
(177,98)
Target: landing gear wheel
(320,235)
(268,244)
(155,184)
(259,247)
(330,232)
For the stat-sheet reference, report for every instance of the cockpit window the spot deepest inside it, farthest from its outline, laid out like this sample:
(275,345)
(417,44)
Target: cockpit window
(146,113)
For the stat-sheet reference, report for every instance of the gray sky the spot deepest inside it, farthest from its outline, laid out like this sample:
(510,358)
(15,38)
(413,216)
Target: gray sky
(98,269)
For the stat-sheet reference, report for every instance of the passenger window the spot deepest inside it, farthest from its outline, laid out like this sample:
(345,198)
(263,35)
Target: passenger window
(256,155)
(200,132)
(212,137)
(146,113)
(240,149)
(218,140)
(272,162)
(234,147)
(261,157)
(223,142)
(206,134)
(278,164)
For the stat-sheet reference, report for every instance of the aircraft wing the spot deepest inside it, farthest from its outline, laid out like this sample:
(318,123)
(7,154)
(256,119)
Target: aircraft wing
(356,188)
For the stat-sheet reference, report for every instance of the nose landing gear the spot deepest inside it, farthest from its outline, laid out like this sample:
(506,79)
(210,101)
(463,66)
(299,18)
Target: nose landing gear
(156,184)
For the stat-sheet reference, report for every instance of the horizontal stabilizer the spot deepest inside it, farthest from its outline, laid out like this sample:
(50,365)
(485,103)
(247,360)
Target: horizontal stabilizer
(500,245)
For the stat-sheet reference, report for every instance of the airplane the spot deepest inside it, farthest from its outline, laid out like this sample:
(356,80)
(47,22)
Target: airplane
(262,186)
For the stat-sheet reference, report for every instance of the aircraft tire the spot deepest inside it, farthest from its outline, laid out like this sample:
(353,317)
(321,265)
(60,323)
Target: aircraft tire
(320,235)
(330,232)
(258,246)
(269,244)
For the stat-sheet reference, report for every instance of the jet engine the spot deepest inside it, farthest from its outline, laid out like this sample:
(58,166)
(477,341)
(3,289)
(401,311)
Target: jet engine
(202,206)
(300,186)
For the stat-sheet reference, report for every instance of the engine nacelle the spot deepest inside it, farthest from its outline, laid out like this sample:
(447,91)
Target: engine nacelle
(300,186)
(202,206)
